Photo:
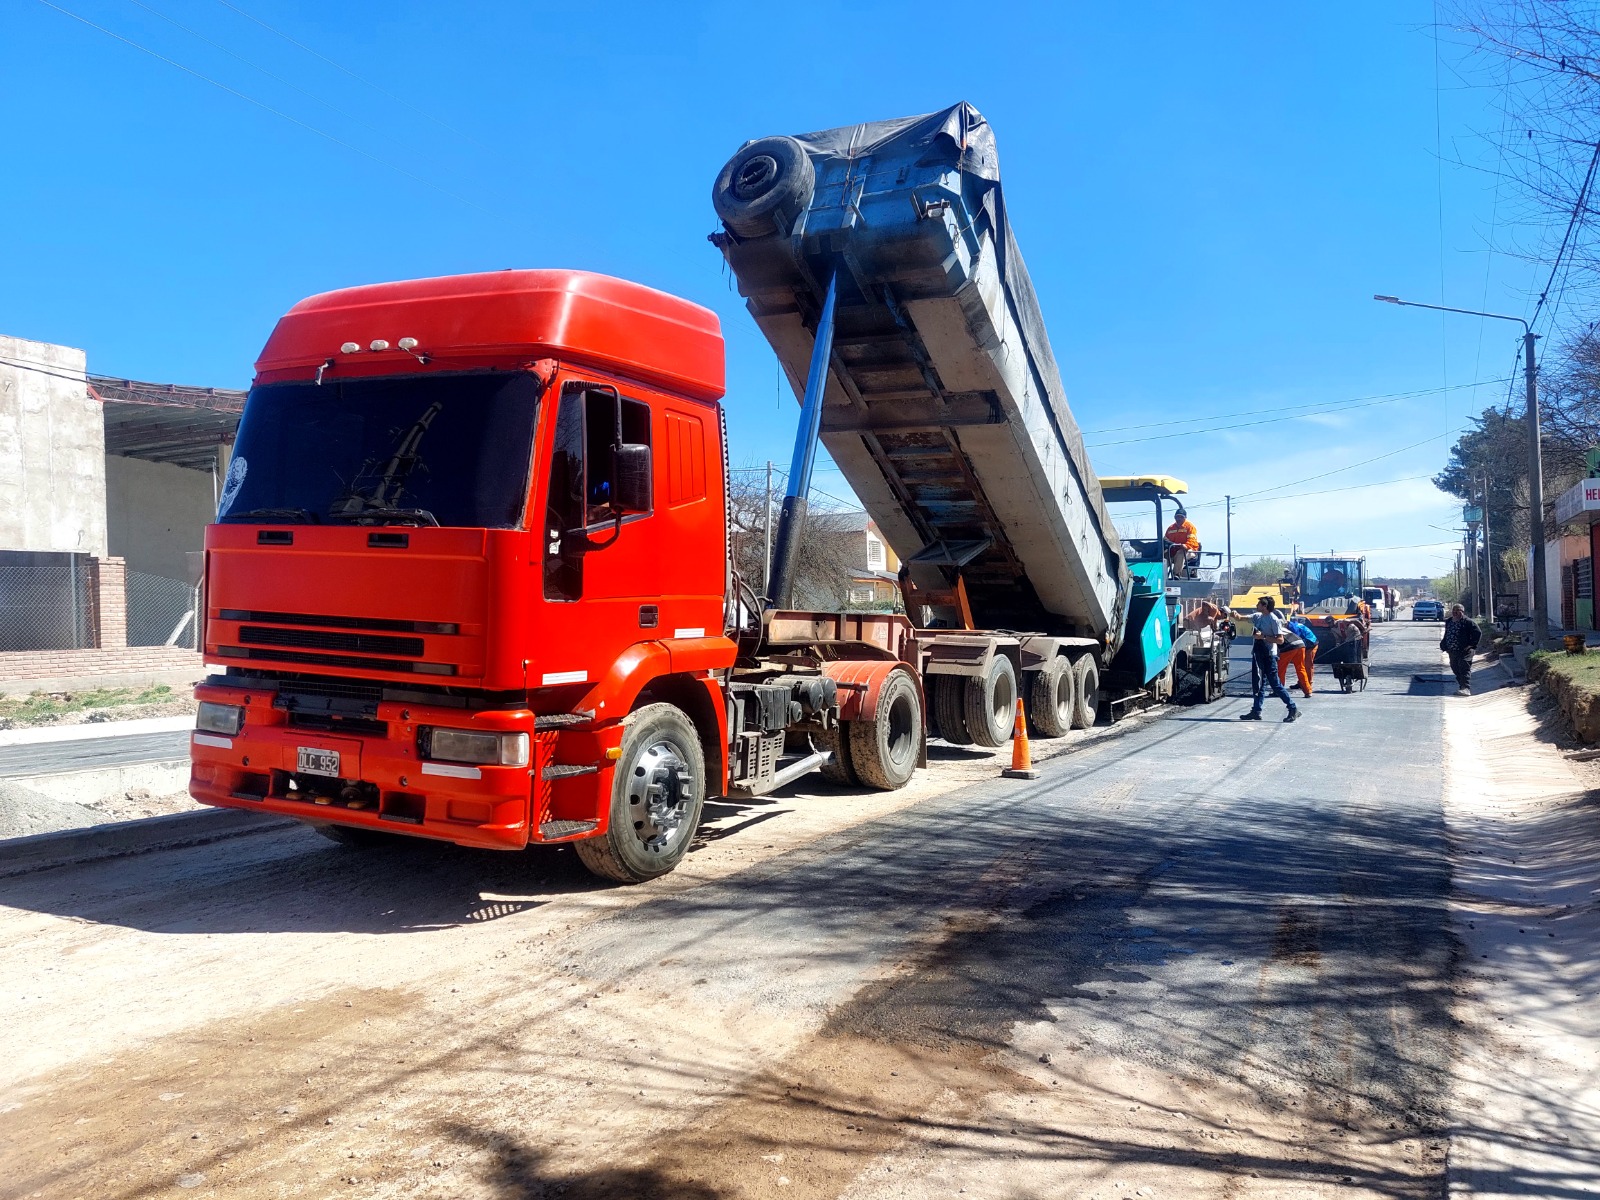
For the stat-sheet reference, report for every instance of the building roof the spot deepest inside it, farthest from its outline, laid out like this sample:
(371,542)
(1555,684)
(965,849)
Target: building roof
(167,422)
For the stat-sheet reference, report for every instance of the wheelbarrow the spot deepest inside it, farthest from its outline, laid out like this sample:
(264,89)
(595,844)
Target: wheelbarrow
(1344,660)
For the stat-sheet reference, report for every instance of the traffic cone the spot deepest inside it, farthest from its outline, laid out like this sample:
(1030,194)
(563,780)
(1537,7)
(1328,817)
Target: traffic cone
(1021,756)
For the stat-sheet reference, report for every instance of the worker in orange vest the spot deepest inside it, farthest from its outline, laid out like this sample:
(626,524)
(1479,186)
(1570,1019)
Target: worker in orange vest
(1183,544)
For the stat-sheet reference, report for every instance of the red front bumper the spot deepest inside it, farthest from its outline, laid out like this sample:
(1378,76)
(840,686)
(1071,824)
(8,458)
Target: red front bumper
(384,784)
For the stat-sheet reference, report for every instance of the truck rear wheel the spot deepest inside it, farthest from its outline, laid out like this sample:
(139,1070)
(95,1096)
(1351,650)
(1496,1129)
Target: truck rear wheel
(839,769)
(947,698)
(991,701)
(884,750)
(1052,699)
(657,793)
(1085,692)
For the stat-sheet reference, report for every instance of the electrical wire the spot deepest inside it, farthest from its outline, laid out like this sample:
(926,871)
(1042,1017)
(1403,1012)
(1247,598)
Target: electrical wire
(1336,471)
(358,78)
(265,107)
(1381,397)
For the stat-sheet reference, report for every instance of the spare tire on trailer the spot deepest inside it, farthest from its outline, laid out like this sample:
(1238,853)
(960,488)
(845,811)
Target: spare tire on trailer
(1085,692)
(991,703)
(1052,699)
(884,749)
(765,187)
(947,697)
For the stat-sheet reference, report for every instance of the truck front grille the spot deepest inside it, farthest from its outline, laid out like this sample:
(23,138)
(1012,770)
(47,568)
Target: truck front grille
(319,639)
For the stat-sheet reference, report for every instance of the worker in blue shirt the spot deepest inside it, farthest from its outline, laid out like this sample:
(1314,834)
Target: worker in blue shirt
(1269,633)
(1300,656)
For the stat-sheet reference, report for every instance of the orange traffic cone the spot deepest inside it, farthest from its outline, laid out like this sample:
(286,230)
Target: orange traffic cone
(1021,756)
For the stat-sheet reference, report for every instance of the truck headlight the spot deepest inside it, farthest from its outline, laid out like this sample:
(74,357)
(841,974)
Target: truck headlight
(226,719)
(474,746)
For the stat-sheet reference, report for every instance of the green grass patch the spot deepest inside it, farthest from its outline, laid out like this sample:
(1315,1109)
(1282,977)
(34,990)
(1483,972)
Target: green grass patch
(45,708)
(1583,670)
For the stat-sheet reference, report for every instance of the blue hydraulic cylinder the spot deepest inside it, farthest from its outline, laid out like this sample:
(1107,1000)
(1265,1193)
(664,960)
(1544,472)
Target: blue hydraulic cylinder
(792,520)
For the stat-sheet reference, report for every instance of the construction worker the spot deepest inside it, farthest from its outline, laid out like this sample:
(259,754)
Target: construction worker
(1298,656)
(1183,544)
(1269,633)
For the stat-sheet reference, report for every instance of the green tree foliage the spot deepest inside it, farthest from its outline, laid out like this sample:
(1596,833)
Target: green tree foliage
(1261,571)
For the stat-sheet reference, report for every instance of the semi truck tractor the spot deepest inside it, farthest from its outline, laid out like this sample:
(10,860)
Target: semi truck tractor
(470,578)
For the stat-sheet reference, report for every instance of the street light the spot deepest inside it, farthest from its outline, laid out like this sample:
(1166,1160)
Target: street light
(1541,618)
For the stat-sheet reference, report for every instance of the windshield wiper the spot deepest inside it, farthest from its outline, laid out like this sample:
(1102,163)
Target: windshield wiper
(380,514)
(278,515)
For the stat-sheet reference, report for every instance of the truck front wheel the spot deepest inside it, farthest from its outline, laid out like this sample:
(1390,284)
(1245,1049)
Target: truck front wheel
(657,793)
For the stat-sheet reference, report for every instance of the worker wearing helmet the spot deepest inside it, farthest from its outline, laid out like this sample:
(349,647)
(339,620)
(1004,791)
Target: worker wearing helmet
(1183,544)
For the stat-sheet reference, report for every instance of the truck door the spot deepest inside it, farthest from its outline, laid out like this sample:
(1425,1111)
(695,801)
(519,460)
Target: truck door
(597,567)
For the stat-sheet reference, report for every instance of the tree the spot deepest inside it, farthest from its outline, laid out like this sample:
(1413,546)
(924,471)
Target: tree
(1259,573)
(828,550)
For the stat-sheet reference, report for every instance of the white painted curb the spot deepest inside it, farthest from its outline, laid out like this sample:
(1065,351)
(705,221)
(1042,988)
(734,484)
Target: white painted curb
(98,729)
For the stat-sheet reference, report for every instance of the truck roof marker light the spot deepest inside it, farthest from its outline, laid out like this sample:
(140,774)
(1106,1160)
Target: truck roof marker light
(378,344)
(350,348)
(407,344)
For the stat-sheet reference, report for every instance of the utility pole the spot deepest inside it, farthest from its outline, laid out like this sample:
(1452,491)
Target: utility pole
(1541,602)
(766,529)
(1488,554)
(1230,548)
(1530,369)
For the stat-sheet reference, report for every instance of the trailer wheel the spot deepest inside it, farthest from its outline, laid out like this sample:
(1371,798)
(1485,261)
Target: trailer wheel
(992,703)
(769,180)
(947,698)
(1052,699)
(839,770)
(657,792)
(883,751)
(1085,692)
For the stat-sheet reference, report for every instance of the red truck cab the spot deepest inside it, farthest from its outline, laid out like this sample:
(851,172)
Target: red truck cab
(470,525)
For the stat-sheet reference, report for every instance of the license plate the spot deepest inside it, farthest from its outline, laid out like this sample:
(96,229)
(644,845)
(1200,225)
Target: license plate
(318,762)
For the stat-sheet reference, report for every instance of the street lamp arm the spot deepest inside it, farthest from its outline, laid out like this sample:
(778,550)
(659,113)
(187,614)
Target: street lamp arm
(1466,312)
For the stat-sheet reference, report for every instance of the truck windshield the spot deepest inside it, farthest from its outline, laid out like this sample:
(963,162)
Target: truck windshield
(1326,578)
(420,450)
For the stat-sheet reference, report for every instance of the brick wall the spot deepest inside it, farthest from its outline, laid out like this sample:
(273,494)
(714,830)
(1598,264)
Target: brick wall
(111,597)
(19,667)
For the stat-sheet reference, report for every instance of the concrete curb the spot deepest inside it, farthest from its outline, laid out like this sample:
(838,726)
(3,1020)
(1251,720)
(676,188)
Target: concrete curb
(19,856)
(99,729)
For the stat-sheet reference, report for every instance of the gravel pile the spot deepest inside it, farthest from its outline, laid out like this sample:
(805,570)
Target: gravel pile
(24,812)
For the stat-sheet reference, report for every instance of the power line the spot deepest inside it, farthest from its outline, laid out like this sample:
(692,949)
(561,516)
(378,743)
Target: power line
(1355,401)
(1566,238)
(1336,471)
(1265,421)
(255,66)
(358,78)
(264,107)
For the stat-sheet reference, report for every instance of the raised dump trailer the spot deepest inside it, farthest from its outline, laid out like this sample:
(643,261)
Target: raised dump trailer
(943,406)
(879,262)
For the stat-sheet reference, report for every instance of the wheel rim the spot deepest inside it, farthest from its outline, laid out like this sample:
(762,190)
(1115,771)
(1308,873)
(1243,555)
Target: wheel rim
(1091,694)
(901,734)
(1003,701)
(755,178)
(1063,699)
(659,792)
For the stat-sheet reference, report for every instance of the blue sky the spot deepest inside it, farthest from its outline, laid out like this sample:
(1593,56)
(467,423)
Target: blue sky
(1207,197)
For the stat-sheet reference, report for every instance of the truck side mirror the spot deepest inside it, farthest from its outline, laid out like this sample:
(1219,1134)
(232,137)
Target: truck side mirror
(631,482)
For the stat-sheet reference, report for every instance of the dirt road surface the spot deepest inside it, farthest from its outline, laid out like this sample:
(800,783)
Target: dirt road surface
(1195,958)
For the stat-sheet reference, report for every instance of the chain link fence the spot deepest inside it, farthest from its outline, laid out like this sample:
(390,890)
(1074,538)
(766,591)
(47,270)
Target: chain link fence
(46,601)
(161,611)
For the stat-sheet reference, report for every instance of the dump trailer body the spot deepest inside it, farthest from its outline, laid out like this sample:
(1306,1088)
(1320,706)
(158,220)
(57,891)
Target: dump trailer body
(943,405)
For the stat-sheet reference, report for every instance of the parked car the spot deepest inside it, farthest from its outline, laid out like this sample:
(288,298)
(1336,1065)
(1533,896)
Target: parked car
(1427,610)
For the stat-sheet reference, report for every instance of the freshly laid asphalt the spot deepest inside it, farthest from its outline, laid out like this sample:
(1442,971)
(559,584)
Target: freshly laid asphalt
(1260,904)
